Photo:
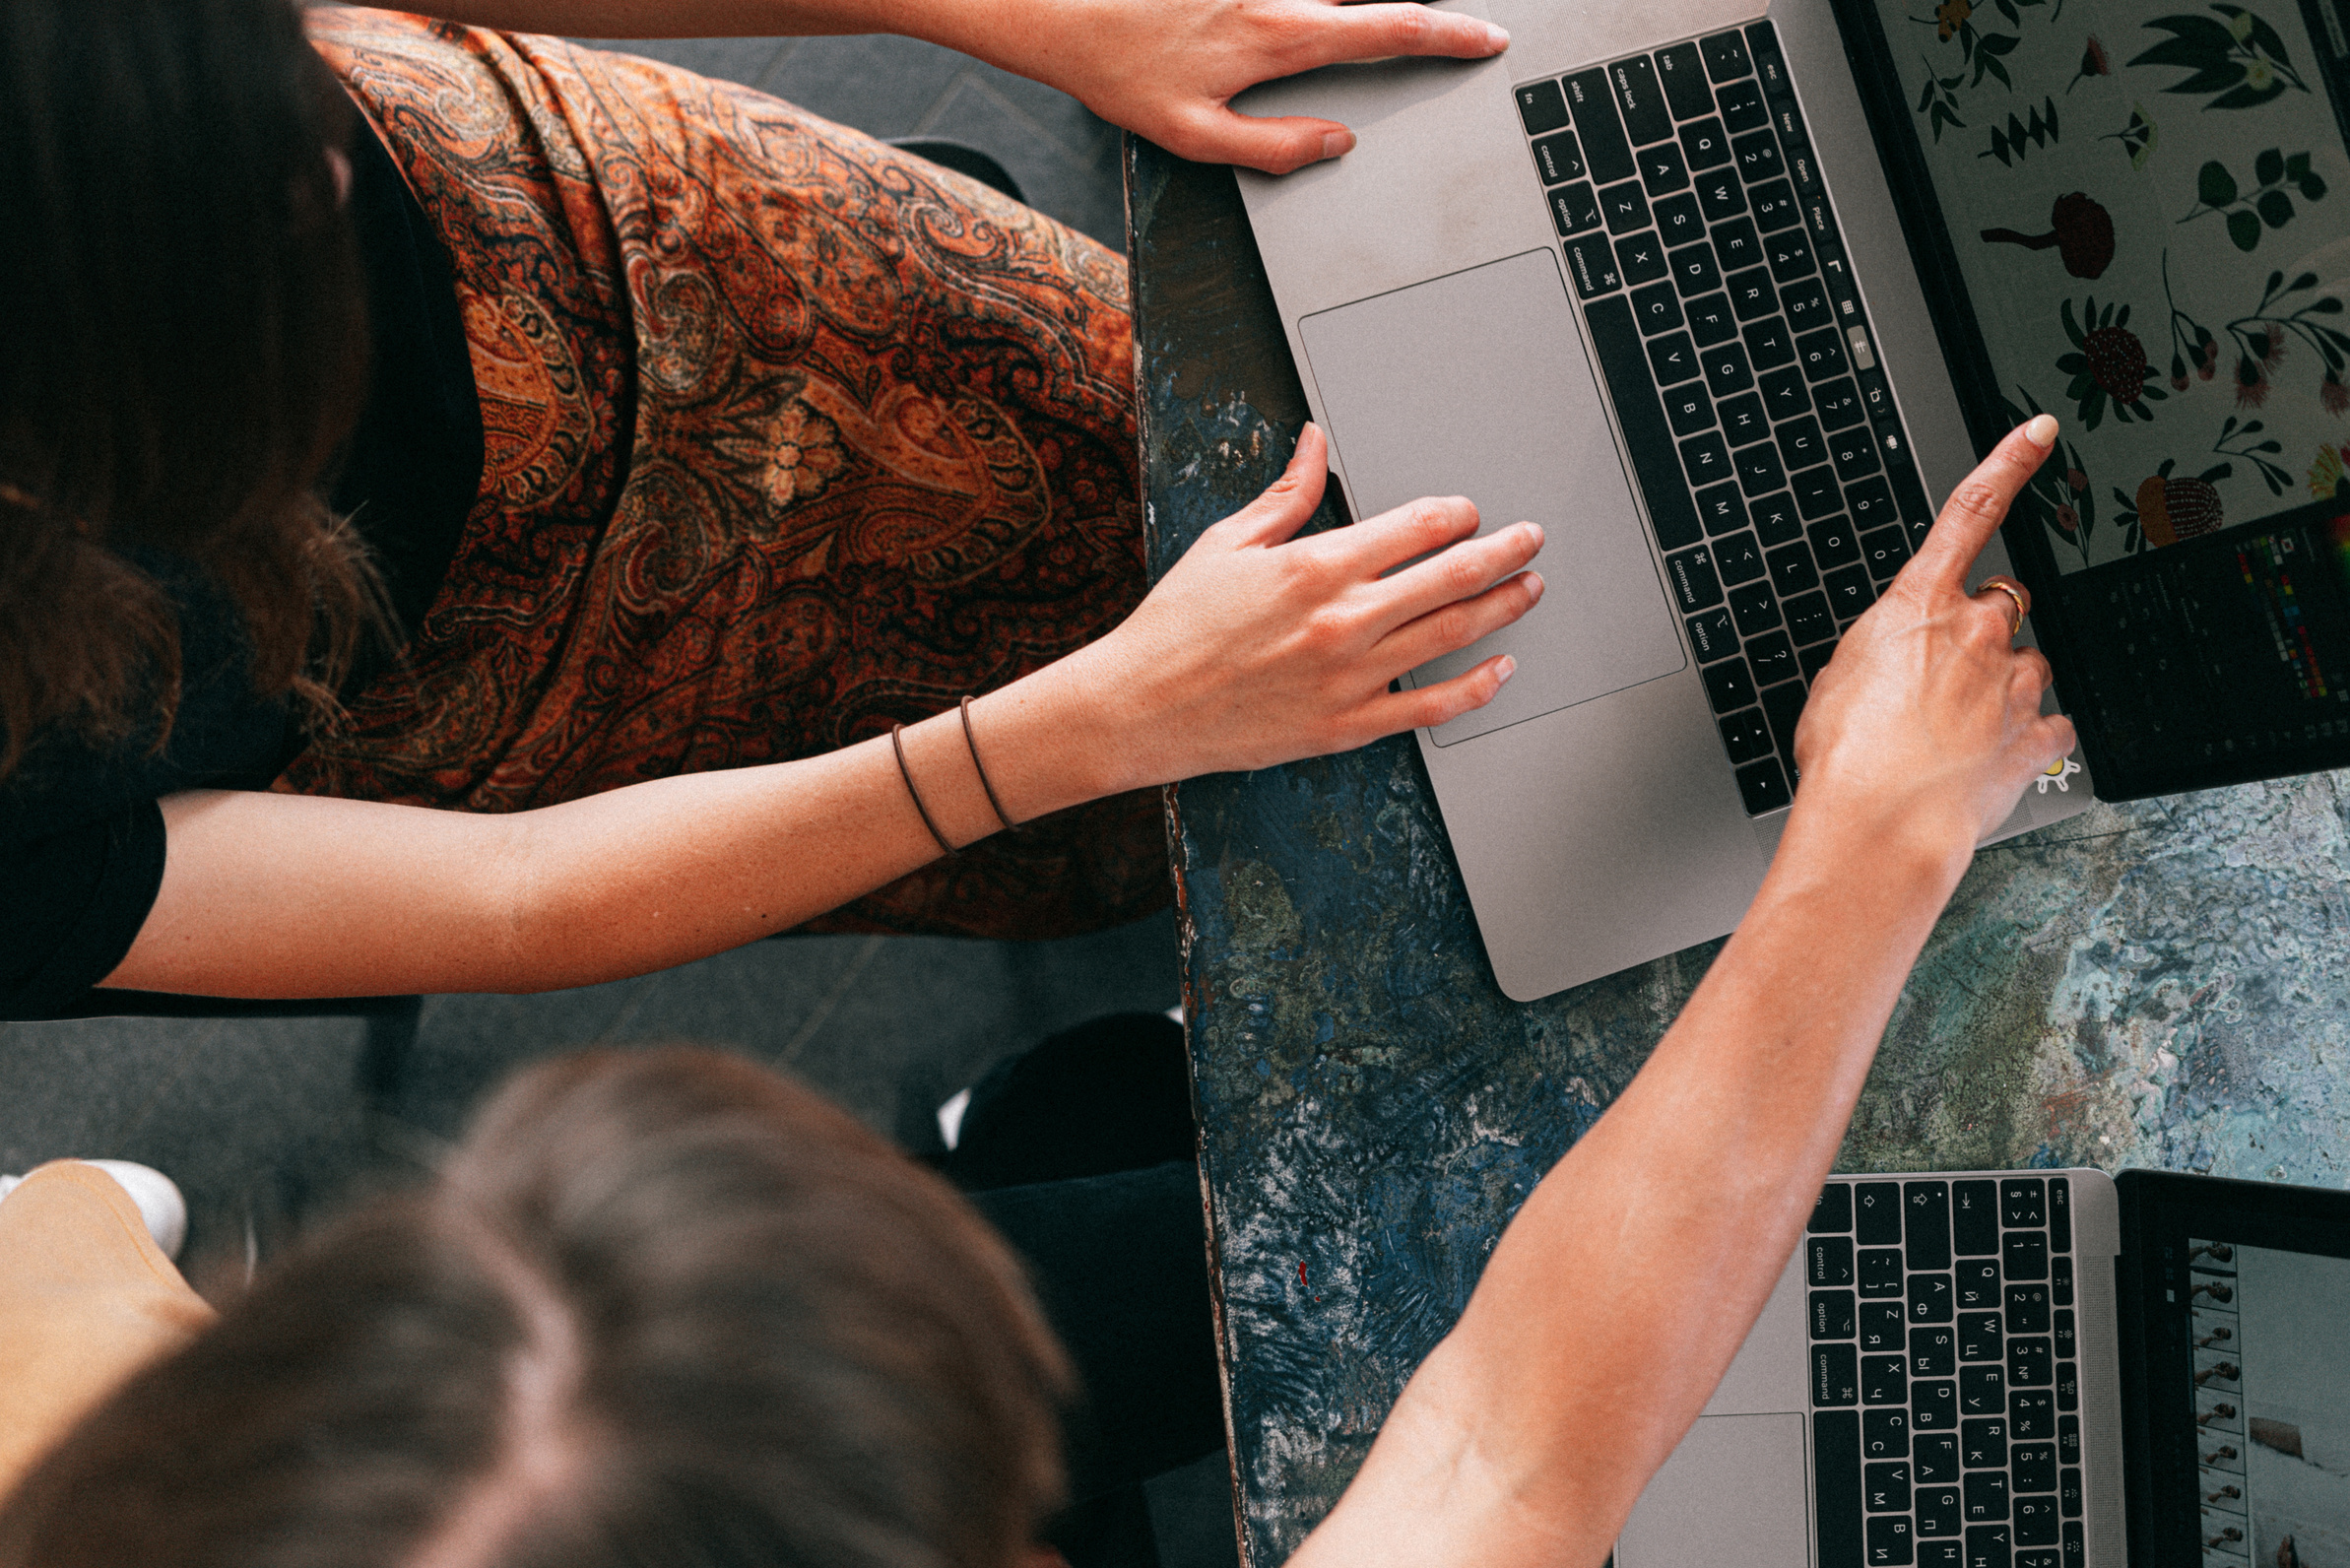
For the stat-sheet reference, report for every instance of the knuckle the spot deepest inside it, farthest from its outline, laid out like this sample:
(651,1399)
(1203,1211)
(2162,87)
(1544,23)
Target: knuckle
(1408,27)
(1327,629)
(1461,574)
(1454,626)
(1976,497)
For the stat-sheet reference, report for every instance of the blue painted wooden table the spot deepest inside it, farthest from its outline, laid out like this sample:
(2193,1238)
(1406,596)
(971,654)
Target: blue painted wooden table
(2165,983)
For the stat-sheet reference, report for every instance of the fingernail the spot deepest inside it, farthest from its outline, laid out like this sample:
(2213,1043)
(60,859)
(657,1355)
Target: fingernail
(1508,668)
(1535,529)
(1534,585)
(2041,431)
(1336,144)
(1497,37)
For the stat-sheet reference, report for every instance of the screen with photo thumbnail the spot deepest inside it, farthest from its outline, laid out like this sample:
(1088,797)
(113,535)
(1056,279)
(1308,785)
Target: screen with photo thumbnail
(2271,1335)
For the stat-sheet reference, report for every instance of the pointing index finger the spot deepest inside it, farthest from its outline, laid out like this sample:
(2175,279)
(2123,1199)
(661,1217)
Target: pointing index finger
(1975,509)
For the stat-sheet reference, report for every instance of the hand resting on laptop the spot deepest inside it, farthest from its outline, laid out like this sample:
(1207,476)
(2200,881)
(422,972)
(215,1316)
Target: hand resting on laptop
(1167,71)
(1258,648)
(1626,1283)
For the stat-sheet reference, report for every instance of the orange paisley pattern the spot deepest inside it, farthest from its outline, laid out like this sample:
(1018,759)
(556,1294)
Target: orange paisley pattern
(789,435)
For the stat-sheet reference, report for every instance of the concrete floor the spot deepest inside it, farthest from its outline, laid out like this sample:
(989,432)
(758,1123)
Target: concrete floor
(261,1122)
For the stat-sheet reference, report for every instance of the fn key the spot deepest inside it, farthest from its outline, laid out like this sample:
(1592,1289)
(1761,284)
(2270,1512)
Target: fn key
(1764,787)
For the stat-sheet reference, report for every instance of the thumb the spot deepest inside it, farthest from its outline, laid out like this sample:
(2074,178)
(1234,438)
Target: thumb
(1282,509)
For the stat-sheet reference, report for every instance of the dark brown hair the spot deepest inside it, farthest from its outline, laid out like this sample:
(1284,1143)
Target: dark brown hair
(660,1309)
(182,348)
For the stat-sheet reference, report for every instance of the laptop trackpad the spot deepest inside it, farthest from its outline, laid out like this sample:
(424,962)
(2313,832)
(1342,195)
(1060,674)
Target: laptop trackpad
(1733,1493)
(1477,384)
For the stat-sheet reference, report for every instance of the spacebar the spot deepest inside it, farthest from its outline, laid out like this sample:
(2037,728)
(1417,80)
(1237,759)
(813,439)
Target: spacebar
(1625,365)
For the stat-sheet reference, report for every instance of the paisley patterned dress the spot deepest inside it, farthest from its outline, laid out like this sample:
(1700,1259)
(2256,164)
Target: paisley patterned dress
(789,435)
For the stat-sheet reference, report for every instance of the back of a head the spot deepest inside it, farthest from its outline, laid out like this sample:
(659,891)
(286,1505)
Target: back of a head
(661,1308)
(182,348)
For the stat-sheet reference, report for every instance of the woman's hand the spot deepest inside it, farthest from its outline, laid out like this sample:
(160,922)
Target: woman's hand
(1928,712)
(1259,647)
(1169,69)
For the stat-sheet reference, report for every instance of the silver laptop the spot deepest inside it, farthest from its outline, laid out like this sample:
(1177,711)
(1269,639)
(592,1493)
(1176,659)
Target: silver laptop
(1646,279)
(2031,1369)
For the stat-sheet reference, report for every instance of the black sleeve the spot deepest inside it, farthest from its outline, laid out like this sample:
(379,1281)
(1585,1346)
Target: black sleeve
(70,905)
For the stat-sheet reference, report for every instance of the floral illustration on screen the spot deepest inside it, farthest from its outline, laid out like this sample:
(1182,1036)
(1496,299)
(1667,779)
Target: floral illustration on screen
(2250,443)
(2107,365)
(2264,204)
(2238,60)
(2205,373)
(1983,53)
(2095,61)
(2260,339)
(2139,138)
(2080,230)
(2169,508)
(2016,139)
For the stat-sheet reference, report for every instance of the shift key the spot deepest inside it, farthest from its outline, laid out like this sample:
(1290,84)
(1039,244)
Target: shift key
(1605,150)
(1925,1225)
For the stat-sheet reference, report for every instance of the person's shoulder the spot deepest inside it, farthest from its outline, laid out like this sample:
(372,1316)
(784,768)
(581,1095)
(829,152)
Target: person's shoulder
(223,734)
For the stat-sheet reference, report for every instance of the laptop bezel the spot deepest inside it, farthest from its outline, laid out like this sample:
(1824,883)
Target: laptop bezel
(2159,1210)
(1967,361)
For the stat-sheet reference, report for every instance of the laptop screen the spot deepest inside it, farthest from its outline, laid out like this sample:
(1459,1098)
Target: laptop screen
(2243,1388)
(2136,215)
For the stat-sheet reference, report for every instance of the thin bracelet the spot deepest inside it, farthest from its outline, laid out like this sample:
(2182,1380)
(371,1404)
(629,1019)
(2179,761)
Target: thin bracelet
(1001,816)
(906,773)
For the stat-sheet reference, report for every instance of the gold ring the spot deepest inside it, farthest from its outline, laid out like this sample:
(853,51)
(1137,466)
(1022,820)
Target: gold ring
(2017,594)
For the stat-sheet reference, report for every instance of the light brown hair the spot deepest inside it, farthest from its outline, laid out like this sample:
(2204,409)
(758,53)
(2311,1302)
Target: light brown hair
(661,1308)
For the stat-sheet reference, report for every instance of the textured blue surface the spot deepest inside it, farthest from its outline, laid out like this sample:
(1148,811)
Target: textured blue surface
(2161,983)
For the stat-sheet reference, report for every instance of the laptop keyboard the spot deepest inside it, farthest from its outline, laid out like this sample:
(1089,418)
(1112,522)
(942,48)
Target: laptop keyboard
(1743,372)
(1945,1389)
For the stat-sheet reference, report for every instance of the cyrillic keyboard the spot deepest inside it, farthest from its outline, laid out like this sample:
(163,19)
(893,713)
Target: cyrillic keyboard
(1945,1389)
(1740,363)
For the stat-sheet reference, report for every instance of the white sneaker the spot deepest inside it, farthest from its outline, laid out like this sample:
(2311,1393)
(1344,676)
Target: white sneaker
(158,1196)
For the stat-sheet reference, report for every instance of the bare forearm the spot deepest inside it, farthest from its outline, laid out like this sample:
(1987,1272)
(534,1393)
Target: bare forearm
(1624,1287)
(619,884)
